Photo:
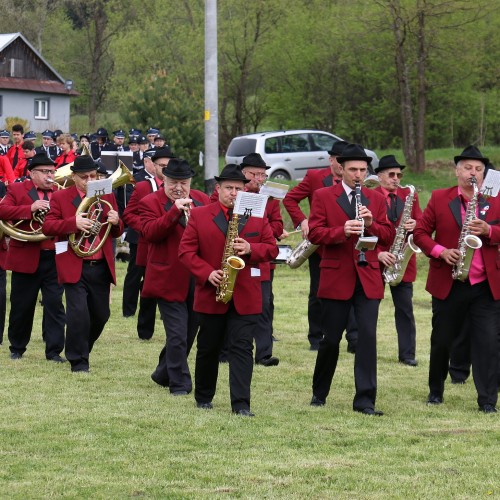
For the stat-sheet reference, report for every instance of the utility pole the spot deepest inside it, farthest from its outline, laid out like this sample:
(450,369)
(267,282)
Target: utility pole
(211,160)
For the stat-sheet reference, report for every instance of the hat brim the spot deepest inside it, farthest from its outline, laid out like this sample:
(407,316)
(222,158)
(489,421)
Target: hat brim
(386,167)
(342,159)
(244,180)
(459,158)
(179,175)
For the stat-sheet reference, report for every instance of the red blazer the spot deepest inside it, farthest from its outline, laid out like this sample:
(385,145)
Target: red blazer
(65,158)
(443,215)
(201,250)
(21,160)
(23,256)
(162,227)
(416,213)
(313,180)
(339,268)
(6,172)
(132,218)
(61,222)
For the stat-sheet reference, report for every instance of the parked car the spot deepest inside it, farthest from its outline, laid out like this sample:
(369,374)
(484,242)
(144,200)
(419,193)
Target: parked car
(290,153)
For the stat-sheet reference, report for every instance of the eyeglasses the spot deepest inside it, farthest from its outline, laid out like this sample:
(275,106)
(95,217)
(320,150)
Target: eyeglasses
(257,175)
(44,171)
(394,174)
(161,165)
(88,177)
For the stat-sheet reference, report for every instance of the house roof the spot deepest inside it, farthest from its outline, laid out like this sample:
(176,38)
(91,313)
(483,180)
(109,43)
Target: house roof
(7,38)
(26,84)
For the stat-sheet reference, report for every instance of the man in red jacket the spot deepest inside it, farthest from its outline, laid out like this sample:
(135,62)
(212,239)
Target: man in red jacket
(476,298)
(86,279)
(15,154)
(343,281)
(33,263)
(201,251)
(389,172)
(164,216)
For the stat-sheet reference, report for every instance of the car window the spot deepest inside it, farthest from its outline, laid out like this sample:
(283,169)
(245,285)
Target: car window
(272,145)
(296,143)
(241,147)
(322,142)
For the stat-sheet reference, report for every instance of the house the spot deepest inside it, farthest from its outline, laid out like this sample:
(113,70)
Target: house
(30,88)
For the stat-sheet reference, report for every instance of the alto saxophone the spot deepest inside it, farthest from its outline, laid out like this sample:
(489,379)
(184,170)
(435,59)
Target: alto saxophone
(401,248)
(467,243)
(231,264)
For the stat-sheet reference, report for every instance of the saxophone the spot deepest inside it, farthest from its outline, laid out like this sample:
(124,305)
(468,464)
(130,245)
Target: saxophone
(401,248)
(301,253)
(231,264)
(467,243)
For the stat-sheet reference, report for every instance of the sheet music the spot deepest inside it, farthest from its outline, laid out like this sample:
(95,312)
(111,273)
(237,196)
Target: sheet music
(99,187)
(274,190)
(250,204)
(491,183)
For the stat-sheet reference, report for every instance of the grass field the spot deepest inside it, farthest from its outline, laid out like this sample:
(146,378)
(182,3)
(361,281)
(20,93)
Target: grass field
(115,434)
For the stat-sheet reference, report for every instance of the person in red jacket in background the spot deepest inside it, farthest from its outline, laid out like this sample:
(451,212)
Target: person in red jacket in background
(389,172)
(67,155)
(15,153)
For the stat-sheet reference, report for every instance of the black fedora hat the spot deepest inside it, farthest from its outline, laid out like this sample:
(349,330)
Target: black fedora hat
(178,169)
(165,152)
(388,161)
(471,153)
(40,159)
(253,160)
(354,152)
(338,148)
(231,172)
(83,163)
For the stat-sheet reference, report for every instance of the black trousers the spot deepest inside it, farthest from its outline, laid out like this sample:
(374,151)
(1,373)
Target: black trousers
(3,301)
(402,297)
(475,303)
(87,308)
(314,308)
(460,359)
(335,314)
(240,330)
(264,331)
(132,287)
(181,325)
(23,298)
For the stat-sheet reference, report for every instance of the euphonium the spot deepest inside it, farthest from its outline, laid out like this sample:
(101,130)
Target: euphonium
(84,245)
(467,243)
(401,248)
(231,264)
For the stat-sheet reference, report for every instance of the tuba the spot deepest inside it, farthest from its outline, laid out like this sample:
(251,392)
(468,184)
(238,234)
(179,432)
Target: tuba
(401,248)
(85,245)
(33,235)
(231,264)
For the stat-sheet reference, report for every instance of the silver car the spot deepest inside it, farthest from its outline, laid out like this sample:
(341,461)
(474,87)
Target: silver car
(290,153)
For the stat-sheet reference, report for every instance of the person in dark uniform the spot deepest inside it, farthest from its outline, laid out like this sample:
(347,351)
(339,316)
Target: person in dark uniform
(117,144)
(33,263)
(48,147)
(100,142)
(337,220)
(164,215)
(86,279)
(476,299)
(201,250)
(4,142)
(389,172)
(314,180)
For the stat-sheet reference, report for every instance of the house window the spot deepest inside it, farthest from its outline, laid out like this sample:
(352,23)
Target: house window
(41,109)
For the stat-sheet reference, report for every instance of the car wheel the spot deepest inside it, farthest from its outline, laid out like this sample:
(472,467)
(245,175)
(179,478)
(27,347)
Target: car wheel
(281,175)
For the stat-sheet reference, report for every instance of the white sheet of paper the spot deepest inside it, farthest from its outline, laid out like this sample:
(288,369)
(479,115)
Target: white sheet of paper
(99,187)
(274,189)
(254,272)
(61,247)
(252,204)
(491,183)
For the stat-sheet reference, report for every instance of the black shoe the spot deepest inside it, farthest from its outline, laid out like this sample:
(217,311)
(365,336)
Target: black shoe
(409,362)
(15,355)
(204,406)
(317,402)
(268,361)
(488,409)
(433,399)
(179,393)
(351,347)
(369,411)
(458,381)
(80,370)
(57,359)
(314,347)
(244,413)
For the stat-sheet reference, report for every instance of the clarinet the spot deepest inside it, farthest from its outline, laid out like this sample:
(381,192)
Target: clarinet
(361,258)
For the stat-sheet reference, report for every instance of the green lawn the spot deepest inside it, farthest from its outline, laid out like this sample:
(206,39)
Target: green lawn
(115,434)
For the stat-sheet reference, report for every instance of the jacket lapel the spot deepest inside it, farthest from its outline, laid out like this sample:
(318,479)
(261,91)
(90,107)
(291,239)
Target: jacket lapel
(456,209)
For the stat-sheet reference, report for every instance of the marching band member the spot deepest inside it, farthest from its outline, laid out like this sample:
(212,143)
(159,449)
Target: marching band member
(453,214)
(48,147)
(4,142)
(86,280)
(3,273)
(15,153)
(314,180)
(33,263)
(389,174)
(202,247)
(164,215)
(65,145)
(335,222)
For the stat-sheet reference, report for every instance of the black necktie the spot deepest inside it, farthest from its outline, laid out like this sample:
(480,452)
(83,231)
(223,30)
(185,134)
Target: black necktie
(393,214)
(353,203)
(229,214)
(16,157)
